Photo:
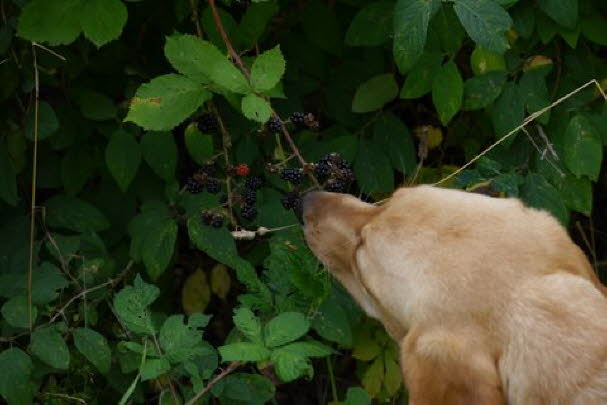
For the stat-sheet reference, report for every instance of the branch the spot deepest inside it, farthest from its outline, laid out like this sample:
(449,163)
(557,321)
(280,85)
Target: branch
(233,366)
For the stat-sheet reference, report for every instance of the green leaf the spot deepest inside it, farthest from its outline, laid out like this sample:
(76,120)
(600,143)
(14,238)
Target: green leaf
(508,111)
(448,29)
(102,20)
(154,368)
(158,247)
(48,345)
(583,148)
(255,20)
(154,215)
(375,93)
(96,106)
(395,138)
(485,22)
(483,61)
(284,328)
(564,12)
(55,22)
(420,78)
(331,322)
(46,280)
(77,167)
(15,314)
(245,388)
(481,91)
(373,377)
(373,169)
(47,122)
(447,92)
(94,347)
(321,25)
(230,27)
(166,101)
(74,214)
(267,70)
(290,366)
(160,152)
(123,156)
(393,378)
(187,54)
(538,193)
(594,28)
(243,351)
(256,108)
(372,25)
(411,18)
(357,396)
(576,193)
(181,342)
(8,176)
(131,305)
(534,91)
(308,349)
(199,145)
(15,386)
(248,324)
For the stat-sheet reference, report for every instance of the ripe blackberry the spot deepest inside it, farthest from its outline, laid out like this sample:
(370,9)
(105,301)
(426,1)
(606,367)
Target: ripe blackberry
(242,170)
(193,186)
(322,169)
(249,197)
(298,118)
(207,217)
(248,211)
(213,186)
(275,125)
(217,221)
(293,176)
(290,201)
(336,186)
(207,123)
(209,168)
(253,183)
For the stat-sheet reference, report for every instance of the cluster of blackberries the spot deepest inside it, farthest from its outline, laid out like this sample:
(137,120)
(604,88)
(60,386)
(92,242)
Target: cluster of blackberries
(198,183)
(248,210)
(212,218)
(292,175)
(275,125)
(290,201)
(337,173)
(298,118)
(207,123)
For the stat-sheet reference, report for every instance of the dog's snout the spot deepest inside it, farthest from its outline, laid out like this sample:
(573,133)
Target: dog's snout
(309,203)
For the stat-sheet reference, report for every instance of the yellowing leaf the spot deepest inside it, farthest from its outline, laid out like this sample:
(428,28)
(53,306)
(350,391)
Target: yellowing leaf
(374,376)
(196,293)
(393,378)
(433,135)
(220,281)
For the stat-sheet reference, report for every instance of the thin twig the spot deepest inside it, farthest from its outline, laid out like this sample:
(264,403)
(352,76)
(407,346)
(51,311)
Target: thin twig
(233,366)
(227,42)
(542,152)
(525,122)
(50,51)
(195,17)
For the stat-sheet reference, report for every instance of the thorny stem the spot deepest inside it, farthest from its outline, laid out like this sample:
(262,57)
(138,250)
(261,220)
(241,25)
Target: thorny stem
(233,366)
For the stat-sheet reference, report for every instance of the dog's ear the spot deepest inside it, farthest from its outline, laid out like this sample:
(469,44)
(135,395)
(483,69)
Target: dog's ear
(443,368)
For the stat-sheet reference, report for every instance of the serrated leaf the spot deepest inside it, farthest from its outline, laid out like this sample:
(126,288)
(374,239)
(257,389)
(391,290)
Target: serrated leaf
(243,351)
(256,108)
(54,22)
(538,193)
(393,378)
(576,193)
(308,349)
(195,294)
(373,377)
(15,386)
(102,20)
(267,70)
(166,101)
(284,328)
(181,342)
(395,138)
(187,53)
(74,214)
(411,18)
(154,368)
(160,152)
(447,92)
(94,347)
(48,123)
(96,106)
(419,80)
(374,93)
(485,22)
(230,27)
(564,12)
(15,312)
(583,148)
(243,387)
(255,20)
(508,111)
(199,145)
(372,25)
(331,322)
(357,396)
(373,169)
(448,29)
(481,91)
(158,247)
(290,366)
(48,345)
(8,176)
(131,305)
(123,156)
(534,91)
(46,280)
(248,324)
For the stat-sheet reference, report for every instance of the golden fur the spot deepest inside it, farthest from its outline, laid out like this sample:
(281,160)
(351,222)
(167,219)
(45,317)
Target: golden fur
(490,301)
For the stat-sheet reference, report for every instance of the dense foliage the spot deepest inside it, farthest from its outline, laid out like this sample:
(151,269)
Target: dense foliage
(145,142)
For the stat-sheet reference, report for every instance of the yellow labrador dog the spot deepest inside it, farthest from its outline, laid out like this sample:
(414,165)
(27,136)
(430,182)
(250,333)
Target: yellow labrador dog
(490,301)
